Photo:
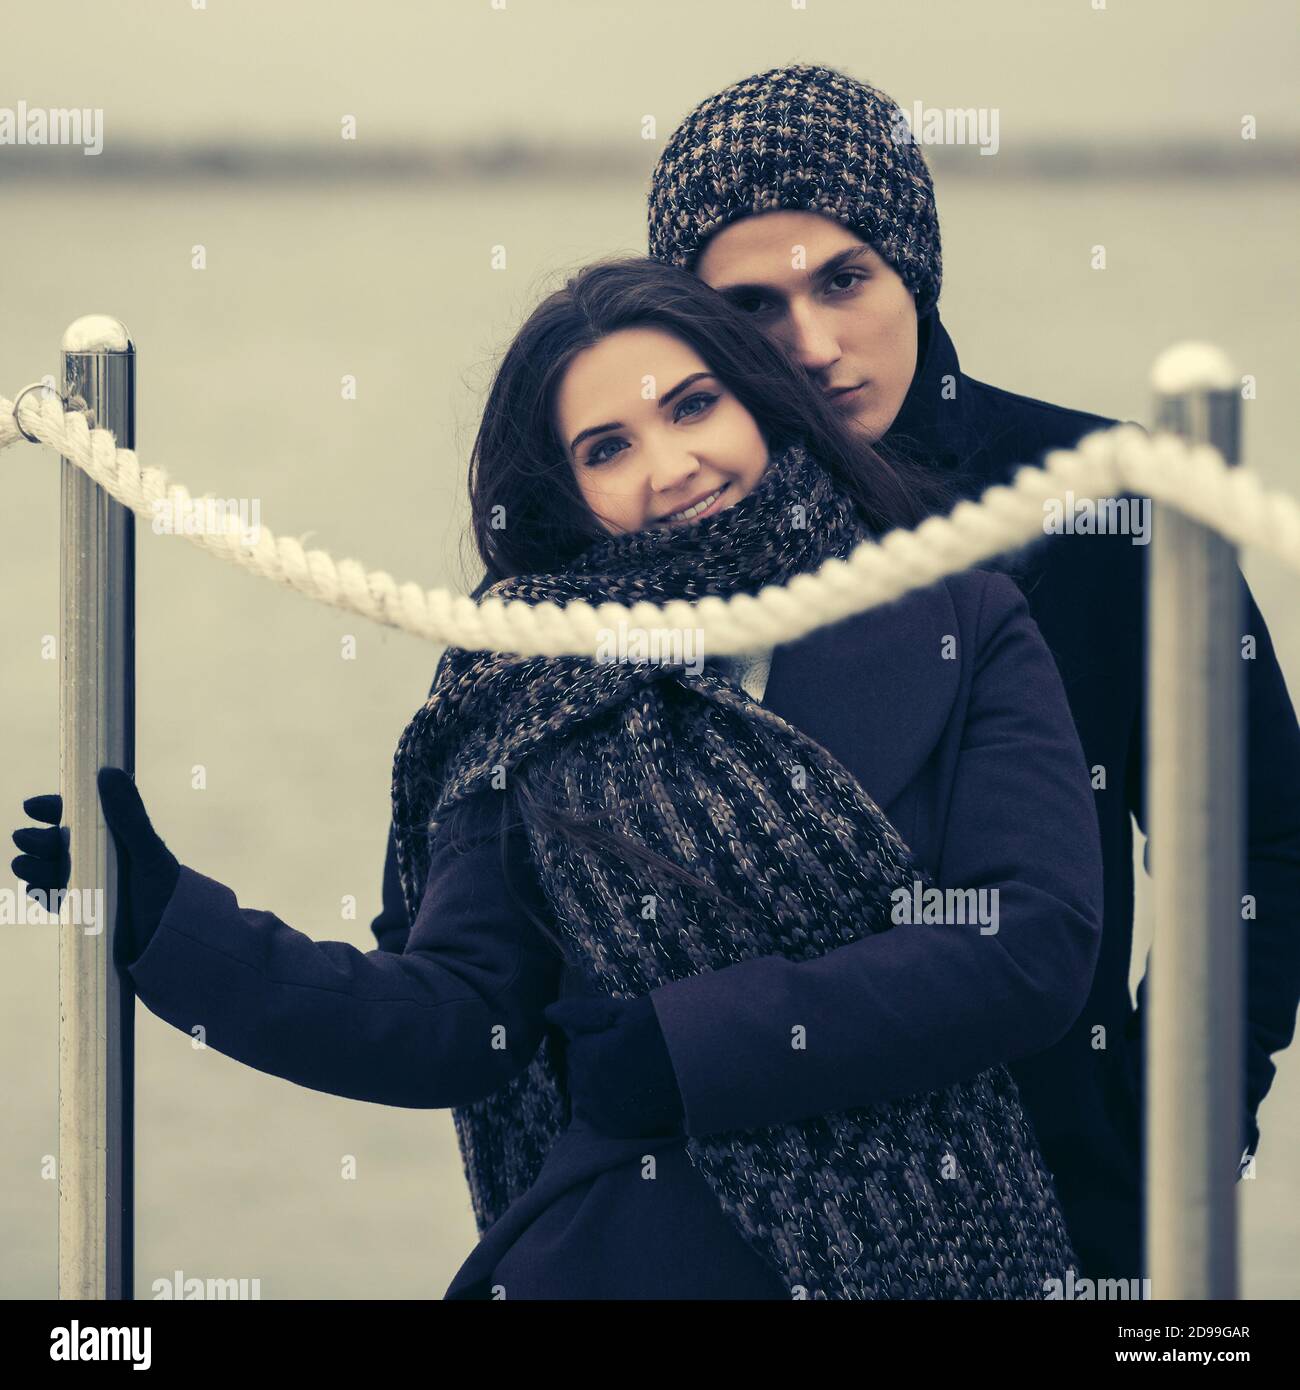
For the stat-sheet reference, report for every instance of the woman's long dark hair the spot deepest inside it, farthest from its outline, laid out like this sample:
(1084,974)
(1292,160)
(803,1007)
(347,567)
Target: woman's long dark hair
(519,467)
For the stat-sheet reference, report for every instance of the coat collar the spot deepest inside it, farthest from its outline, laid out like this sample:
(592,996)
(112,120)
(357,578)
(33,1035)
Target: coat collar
(932,426)
(875,689)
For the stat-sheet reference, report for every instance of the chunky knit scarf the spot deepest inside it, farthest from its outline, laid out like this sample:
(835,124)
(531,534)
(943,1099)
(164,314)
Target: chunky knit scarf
(940,1195)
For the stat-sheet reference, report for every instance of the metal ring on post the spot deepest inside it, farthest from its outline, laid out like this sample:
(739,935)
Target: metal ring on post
(35,386)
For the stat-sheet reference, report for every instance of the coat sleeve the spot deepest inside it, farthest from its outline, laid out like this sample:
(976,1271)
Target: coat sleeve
(391,927)
(922,1006)
(1271,789)
(447,1021)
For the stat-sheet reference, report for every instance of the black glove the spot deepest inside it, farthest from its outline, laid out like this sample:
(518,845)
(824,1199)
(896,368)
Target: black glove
(147,871)
(46,863)
(620,1075)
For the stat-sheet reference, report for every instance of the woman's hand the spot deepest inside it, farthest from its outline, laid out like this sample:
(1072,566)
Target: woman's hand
(620,1075)
(147,871)
(45,863)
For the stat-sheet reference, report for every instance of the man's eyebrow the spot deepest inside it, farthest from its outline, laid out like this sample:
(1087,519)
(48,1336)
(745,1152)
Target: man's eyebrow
(828,267)
(665,399)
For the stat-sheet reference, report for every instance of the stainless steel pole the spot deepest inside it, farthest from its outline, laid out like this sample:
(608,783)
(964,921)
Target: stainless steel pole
(1196,743)
(97,729)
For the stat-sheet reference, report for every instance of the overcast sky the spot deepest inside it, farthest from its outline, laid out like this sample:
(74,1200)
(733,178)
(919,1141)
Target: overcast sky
(243,70)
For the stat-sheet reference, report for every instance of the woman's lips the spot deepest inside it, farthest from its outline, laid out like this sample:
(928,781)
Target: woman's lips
(699,516)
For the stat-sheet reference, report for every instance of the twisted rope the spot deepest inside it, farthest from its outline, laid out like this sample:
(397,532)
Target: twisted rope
(1194,479)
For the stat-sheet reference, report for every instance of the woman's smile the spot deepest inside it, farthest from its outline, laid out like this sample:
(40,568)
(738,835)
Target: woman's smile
(697,510)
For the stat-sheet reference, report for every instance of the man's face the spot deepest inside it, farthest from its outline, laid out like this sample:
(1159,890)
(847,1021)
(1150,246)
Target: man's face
(829,300)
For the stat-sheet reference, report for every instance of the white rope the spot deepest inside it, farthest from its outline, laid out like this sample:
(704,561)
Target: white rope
(1193,479)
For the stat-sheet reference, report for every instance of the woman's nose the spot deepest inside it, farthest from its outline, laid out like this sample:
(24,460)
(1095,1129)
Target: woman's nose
(667,474)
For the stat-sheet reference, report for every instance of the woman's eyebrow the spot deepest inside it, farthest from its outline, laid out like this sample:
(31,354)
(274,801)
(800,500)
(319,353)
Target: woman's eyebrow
(665,399)
(827,268)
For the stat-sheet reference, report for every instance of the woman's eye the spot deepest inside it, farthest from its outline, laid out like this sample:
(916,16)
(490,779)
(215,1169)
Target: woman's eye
(699,396)
(595,456)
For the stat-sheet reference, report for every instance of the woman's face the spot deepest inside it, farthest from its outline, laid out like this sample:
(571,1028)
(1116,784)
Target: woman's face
(650,432)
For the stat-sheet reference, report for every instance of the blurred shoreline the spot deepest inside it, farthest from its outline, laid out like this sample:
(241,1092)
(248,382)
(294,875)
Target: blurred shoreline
(517,158)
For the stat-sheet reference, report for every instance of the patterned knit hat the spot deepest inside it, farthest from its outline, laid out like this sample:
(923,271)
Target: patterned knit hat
(799,137)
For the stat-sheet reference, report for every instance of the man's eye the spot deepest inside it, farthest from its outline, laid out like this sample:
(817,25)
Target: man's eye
(746,302)
(854,275)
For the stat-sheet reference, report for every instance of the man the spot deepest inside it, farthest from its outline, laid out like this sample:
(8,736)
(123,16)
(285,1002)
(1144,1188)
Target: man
(796,194)
(827,164)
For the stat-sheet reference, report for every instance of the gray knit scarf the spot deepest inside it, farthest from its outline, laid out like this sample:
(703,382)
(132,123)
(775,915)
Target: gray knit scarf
(939,1195)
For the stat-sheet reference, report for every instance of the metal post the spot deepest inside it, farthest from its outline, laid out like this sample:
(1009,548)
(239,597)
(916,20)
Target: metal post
(97,729)
(1195,738)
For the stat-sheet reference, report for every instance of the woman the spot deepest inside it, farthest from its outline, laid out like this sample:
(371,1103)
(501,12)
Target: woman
(660,833)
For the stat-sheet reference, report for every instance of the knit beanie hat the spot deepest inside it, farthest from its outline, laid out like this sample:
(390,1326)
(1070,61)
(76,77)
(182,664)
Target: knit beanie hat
(807,138)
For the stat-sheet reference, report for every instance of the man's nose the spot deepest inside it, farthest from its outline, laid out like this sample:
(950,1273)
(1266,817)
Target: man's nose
(808,339)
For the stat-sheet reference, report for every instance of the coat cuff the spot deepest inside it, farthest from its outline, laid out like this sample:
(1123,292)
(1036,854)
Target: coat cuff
(701,1057)
(164,952)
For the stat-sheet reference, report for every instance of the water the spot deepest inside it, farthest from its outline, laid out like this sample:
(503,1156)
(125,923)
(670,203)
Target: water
(240,368)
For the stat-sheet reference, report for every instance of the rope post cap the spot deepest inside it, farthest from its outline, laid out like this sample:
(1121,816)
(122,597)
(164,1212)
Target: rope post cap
(97,333)
(1197,397)
(1191,367)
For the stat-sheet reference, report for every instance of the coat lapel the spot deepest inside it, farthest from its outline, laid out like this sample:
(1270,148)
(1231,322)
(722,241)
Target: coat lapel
(874,690)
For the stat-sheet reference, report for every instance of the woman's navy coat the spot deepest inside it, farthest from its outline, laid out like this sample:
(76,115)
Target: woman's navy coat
(947,707)
(1087,594)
